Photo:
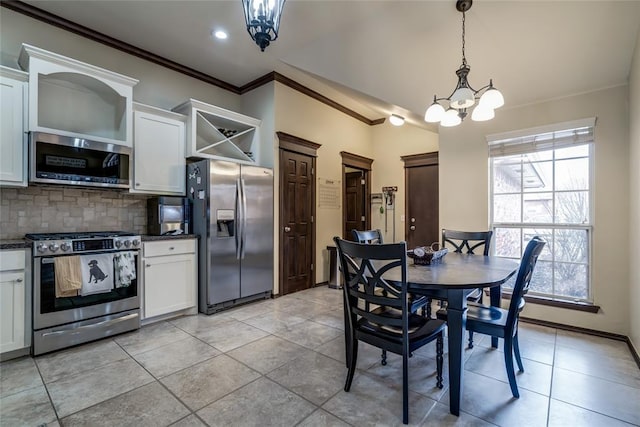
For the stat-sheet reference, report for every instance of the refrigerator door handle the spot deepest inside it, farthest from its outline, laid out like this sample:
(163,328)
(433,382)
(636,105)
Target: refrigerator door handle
(238,221)
(244,218)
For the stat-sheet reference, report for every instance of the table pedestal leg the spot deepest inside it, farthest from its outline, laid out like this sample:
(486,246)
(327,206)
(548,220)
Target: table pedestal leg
(456,324)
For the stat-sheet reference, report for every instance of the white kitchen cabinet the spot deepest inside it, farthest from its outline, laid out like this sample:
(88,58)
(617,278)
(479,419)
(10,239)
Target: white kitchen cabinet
(71,98)
(217,133)
(13,300)
(158,151)
(170,276)
(13,139)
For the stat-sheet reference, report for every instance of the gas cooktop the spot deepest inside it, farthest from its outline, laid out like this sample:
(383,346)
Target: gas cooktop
(80,235)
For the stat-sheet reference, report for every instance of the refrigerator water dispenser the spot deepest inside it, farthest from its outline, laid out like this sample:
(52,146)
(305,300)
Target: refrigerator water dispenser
(225,220)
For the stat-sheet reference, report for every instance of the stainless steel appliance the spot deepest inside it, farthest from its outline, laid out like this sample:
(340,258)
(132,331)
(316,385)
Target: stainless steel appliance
(55,159)
(60,322)
(232,211)
(168,215)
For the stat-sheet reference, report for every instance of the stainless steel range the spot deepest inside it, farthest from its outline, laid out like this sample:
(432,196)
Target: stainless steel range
(85,287)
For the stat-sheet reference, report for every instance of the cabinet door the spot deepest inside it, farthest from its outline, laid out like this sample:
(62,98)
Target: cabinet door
(159,163)
(12,306)
(169,284)
(12,136)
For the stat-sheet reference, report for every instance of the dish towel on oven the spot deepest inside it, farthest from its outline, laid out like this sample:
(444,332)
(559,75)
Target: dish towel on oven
(97,273)
(68,276)
(125,268)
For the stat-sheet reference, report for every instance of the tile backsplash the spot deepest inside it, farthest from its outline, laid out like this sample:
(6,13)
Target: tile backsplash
(53,209)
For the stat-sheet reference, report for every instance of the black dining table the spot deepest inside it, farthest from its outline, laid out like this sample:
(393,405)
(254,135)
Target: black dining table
(453,278)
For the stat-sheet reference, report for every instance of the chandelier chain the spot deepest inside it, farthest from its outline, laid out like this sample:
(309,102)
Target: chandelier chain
(464,58)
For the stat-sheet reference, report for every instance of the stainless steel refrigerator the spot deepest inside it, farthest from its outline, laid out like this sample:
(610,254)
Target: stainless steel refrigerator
(232,212)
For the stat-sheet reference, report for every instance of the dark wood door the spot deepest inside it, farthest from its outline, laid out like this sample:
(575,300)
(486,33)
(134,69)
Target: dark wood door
(296,221)
(354,203)
(422,220)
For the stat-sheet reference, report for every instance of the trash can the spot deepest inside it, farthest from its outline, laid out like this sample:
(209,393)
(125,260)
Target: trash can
(335,277)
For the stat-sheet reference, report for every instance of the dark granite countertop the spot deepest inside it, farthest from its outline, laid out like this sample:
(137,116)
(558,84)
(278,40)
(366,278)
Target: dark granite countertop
(14,244)
(149,238)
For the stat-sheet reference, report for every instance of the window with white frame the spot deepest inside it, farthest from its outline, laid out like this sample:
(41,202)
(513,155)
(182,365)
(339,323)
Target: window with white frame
(541,184)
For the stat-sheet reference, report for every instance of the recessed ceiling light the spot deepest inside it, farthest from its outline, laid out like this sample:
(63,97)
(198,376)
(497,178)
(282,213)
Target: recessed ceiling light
(396,120)
(219,34)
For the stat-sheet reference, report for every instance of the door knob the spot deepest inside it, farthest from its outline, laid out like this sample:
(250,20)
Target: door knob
(413,227)
(287,229)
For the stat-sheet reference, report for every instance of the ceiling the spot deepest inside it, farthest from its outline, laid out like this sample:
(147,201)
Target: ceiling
(381,57)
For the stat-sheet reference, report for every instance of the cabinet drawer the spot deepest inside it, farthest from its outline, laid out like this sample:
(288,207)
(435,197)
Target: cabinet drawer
(12,260)
(169,247)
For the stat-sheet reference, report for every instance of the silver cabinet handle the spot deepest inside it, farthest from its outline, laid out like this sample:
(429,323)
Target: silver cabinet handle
(148,265)
(19,280)
(287,229)
(171,248)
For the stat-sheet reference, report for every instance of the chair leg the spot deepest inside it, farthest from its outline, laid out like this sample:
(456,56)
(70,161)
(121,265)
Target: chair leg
(470,339)
(516,351)
(383,362)
(405,387)
(353,358)
(439,359)
(508,361)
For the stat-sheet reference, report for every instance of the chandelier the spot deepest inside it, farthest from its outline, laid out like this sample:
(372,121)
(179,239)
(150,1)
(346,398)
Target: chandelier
(464,96)
(263,20)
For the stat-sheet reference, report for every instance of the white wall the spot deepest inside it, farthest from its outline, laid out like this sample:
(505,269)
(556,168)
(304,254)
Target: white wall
(259,103)
(464,193)
(634,198)
(158,85)
(304,117)
(389,144)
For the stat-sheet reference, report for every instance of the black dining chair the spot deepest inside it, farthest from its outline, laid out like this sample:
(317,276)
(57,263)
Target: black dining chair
(501,323)
(468,242)
(383,319)
(367,236)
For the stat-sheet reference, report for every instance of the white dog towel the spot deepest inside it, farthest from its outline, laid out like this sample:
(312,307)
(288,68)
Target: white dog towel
(125,268)
(97,273)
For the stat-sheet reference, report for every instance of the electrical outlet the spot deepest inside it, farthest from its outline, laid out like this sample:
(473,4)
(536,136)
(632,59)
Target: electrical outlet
(401,218)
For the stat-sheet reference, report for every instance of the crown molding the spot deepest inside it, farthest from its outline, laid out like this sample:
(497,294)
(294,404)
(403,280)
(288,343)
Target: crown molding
(88,33)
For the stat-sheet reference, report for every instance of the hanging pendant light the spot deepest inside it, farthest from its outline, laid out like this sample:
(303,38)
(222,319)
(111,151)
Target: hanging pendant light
(263,20)
(464,96)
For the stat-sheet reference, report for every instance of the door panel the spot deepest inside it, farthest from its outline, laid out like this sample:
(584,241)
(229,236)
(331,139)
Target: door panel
(256,274)
(354,203)
(296,226)
(422,221)
(224,265)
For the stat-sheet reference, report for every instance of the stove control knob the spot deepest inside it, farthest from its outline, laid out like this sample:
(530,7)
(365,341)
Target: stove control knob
(118,243)
(65,246)
(127,243)
(42,247)
(135,243)
(53,247)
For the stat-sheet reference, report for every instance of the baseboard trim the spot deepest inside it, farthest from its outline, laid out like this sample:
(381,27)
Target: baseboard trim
(602,334)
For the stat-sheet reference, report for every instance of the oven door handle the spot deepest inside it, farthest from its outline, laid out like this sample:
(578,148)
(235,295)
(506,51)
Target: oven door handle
(94,325)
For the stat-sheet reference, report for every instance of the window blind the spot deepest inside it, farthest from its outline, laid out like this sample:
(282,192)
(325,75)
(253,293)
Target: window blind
(543,138)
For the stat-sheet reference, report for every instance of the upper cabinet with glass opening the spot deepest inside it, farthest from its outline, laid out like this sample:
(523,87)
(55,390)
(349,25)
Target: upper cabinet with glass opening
(216,133)
(71,98)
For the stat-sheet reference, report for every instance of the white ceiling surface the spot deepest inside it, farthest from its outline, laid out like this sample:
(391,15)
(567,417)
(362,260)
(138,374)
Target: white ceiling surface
(380,57)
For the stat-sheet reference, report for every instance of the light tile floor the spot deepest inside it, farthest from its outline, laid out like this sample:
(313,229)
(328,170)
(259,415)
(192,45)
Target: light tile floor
(281,362)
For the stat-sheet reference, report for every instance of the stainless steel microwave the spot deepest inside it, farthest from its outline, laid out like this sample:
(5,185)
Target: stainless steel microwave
(55,159)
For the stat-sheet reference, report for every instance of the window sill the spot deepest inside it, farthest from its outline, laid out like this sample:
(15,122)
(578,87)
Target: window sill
(570,305)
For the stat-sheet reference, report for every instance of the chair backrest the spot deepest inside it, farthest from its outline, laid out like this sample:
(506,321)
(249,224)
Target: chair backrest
(523,279)
(364,267)
(469,240)
(368,236)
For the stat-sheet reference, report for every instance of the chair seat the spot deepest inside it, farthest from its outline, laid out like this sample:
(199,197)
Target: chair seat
(420,327)
(475,296)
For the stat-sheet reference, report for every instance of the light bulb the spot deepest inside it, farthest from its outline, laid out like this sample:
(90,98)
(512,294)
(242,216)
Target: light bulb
(451,118)
(434,113)
(462,98)
(492,98)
